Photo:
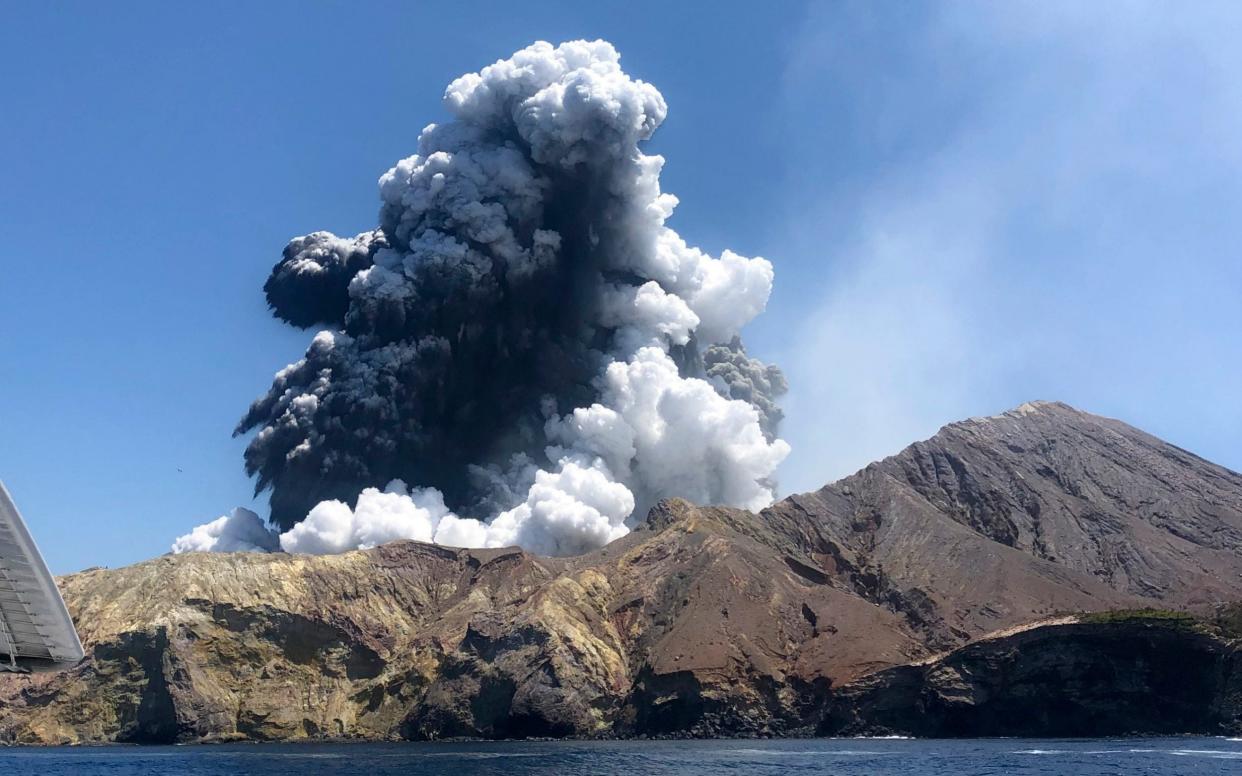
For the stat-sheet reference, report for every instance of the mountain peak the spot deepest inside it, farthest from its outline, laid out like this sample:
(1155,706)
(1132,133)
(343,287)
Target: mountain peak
(1040,405)
(1029,409)
(1098,498)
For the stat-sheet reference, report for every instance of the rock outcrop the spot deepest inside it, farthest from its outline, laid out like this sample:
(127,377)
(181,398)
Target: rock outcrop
(1146,673)
(864,606)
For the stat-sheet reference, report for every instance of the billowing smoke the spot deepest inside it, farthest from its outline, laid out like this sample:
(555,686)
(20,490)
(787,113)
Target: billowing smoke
(522,339)
(739,376)
(239,531)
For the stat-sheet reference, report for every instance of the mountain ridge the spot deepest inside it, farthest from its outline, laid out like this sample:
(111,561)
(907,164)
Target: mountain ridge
(702,621)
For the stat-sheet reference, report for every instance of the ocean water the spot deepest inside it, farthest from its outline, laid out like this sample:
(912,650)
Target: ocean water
(643,758)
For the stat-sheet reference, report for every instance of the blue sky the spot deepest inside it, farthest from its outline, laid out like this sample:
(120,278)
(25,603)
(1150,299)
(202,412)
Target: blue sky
(968,206)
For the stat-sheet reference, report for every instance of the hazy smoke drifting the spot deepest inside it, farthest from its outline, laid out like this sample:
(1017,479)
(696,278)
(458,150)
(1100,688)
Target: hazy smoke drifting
(522,337)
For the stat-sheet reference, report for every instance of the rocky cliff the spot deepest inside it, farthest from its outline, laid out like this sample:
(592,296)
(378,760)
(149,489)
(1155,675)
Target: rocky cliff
(700,622)
(837,611)
(1137,673)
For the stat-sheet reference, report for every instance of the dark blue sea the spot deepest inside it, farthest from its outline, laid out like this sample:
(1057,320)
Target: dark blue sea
(642,758)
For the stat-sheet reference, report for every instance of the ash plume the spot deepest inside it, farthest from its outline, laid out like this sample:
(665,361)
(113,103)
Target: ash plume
(310,285)
(522,338)
(739,376)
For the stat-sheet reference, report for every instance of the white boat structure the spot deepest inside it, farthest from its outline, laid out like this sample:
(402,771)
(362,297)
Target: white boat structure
(36,632)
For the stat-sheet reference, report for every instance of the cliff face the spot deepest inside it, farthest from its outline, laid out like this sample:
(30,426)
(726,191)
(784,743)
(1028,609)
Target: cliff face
(817,614)
(1139,674)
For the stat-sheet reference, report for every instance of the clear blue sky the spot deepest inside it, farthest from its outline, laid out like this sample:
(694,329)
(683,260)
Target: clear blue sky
(968,206)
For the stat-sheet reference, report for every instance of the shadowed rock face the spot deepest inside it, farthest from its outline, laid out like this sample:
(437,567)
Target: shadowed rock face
(703,621)
(1135,676)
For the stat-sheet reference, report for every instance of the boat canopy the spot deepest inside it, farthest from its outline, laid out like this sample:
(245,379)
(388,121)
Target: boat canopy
(34,622)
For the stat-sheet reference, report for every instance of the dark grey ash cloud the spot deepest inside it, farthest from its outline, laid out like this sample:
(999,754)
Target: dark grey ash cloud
(749,380)
(310,283)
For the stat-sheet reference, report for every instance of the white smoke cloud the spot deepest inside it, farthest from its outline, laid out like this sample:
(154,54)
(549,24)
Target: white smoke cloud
(239,531)
(570,511)
(467,203)
(567,512)
(663,434)
(379,517)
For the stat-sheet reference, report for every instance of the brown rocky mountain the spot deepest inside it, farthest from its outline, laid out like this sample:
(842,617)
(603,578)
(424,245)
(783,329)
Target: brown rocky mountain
(1042,509)
(837,611)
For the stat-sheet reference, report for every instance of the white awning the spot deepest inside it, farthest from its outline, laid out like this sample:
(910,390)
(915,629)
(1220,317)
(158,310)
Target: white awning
(34,622)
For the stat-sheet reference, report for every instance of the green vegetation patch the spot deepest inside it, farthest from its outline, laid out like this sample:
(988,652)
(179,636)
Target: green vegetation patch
(1228,620)
(1165,617)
